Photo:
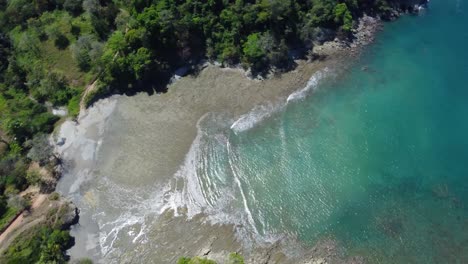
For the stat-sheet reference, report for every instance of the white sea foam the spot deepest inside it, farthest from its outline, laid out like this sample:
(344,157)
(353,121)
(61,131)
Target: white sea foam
(138,209)
(133,211)
(254,117)
(187,189)
(264,111)
(311,85)
(244,199)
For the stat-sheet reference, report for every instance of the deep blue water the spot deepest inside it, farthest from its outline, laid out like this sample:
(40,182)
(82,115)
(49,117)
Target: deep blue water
(376,158)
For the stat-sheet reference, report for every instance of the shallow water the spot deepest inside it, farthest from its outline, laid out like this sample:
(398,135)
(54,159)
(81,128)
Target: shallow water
(373,157)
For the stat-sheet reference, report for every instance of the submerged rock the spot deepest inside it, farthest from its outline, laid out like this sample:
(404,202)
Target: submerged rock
(61,141)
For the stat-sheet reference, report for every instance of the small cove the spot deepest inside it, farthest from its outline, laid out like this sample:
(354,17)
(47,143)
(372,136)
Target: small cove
(374,158)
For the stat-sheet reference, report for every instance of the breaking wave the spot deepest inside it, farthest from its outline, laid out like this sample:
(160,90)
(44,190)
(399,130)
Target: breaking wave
(311,85)
(211,181)
(265,111)
(254,117)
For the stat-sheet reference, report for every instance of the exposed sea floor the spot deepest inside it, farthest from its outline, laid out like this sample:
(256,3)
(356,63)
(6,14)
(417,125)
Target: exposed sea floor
(375,158)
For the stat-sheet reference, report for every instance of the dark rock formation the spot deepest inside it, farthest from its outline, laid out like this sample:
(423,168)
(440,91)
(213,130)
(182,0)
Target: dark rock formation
(70,216)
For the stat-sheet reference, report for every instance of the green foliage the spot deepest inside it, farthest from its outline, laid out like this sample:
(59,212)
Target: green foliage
(183,260)
(321,13)
(18,11)
(15,149)
(54,196)
(383,6)
(23,118)
(7,214)
(40,245)
(75,7)
(40,149)
(235,258)
(74,106)
(33,177)
(54,88)
(195,260)
(86,51)
(49,49)
(18,202)
(343,16)
(252,49)
(83,261)
(13,171)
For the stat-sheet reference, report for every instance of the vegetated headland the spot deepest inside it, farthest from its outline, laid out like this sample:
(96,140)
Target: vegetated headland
(56,56)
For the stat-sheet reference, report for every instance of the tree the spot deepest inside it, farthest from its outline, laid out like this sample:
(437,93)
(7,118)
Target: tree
(42,245)
(75,7)
(255,53)
(18,11)
(52,249)
(278,57)
(86,51)
(321,13)
(54,88)
(252,48)
(91,6)
(102,16)
(33,177)
(139,62)
(25,118)
(343,16)
(13,174)
(17,202)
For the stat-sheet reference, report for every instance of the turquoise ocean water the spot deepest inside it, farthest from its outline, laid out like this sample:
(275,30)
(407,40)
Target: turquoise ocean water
(376,158)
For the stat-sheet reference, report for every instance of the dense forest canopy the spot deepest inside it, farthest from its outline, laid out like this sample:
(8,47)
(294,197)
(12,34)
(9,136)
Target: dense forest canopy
(51,49)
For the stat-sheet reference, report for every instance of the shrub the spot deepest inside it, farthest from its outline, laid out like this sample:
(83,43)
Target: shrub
(86,51)
(33,177)
(235,258)
(54,88)
(343,16)
(74,106)
(40,149)
(40,245)
(83,261)
(195,260)
(17,202)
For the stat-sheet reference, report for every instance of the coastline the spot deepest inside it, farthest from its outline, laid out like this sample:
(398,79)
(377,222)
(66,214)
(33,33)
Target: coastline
(214,89)
(177,127)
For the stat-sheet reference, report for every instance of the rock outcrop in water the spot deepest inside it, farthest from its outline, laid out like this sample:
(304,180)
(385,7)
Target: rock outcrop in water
(401,7)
